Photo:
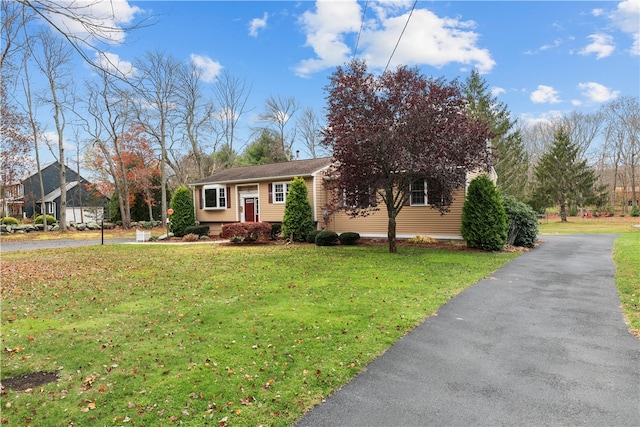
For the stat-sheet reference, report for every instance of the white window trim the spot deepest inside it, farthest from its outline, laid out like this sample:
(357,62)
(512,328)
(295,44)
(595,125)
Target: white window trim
(426,200)
(217,188)
(286,186)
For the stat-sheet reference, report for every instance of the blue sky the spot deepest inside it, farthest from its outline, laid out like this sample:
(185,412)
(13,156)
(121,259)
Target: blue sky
(541,58)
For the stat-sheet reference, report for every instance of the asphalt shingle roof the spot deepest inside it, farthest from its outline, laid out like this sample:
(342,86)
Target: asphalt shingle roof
(270,171)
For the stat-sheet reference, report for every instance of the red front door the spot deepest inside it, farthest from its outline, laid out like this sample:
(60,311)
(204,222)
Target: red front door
(250,211)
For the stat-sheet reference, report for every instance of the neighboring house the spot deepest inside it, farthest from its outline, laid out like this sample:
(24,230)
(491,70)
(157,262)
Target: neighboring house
(23,198)
(258,193)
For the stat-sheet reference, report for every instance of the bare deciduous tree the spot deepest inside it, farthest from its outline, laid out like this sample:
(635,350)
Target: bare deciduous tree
(278,113)
(230,94)
(309,128)
(156,86)
(54,60)
(621,151)
(195,113)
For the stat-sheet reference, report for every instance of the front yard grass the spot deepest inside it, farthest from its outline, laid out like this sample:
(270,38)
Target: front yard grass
(626,254)
(208,335)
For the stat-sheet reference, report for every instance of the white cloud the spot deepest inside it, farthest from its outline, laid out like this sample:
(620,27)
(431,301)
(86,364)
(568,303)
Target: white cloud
(595,92)
(427,39)
(325,29)
(544,119)
(626,17)
(545,95)
(597,12)
(112,63)
(496,91)
(556,43)
(209,68)
(601,44)
(257,24)
(106,19)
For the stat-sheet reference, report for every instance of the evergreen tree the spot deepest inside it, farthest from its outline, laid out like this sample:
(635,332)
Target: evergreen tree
(484,220)
(562,178)
(264,150)
(298,214)
(510,159)
(183,215)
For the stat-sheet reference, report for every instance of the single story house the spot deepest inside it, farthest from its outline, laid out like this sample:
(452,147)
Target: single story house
(258,193)
(23,198)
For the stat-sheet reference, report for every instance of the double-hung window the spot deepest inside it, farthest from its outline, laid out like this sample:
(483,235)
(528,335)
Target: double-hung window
(214,197)
(419,193)
(425,192)
(280,190)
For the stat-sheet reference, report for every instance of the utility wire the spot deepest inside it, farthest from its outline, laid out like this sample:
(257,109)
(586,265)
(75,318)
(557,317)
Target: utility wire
(400,38)
(364,15)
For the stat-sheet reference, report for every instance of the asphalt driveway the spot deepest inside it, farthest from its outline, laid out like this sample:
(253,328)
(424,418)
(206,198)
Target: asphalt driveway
(540,342)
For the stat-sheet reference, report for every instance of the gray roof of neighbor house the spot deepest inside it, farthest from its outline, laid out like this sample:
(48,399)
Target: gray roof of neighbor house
(270,171)
(57,192)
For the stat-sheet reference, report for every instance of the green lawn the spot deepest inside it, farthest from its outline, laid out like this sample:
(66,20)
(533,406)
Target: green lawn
(207,335)
(626,254)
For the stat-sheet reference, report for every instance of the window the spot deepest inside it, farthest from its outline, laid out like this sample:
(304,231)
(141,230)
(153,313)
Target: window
(215,197)
(425,192)
(418,193)
(280,190)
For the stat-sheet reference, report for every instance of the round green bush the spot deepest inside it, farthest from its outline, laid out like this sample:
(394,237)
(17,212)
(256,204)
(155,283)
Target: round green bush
(50,220)
(484,221)
(349,238)
(326,238)
(523,223)
(9,220)
(635,210)
(311,237)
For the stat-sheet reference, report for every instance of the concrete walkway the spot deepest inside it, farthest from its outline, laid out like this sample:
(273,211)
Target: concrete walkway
(540,342)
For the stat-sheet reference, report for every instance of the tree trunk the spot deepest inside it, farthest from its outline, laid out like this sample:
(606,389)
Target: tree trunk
(391,233)
(563,212)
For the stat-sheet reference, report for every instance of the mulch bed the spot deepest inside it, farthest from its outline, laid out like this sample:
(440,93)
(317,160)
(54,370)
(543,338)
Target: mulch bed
(29,381)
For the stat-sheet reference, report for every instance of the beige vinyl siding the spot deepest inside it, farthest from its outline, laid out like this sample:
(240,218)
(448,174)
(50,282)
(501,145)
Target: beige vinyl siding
(412,221)
(269,212)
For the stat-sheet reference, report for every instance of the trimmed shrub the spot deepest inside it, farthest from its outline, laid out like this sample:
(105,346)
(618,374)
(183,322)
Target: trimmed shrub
(635,210)
(326,238)
(246,231)
(523,223)
(349,238)
(484,221)
(9,220)
(298,214)
(199,230)
(50,220)
(311,237)
(183,215)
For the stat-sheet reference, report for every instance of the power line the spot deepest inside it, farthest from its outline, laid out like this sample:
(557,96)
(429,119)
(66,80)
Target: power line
(399,38)
(364,14)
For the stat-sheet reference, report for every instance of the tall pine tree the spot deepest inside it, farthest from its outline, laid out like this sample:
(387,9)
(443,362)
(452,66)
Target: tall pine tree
(510,159)
(564,179)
